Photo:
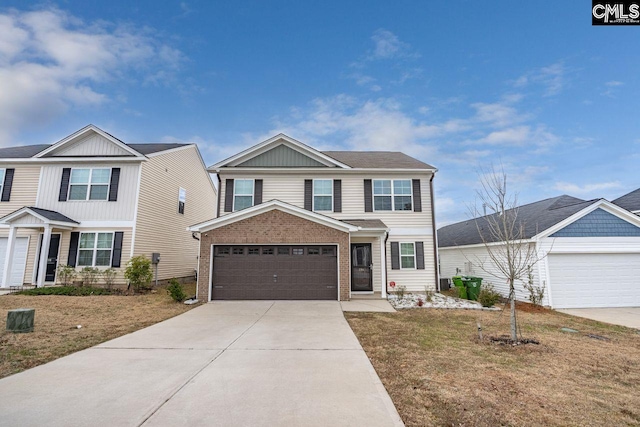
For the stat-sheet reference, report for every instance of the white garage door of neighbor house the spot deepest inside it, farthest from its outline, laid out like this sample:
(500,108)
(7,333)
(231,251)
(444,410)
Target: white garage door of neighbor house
(19,260)
(595,280)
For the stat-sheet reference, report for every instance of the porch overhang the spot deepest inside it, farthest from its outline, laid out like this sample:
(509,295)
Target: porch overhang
(32,217)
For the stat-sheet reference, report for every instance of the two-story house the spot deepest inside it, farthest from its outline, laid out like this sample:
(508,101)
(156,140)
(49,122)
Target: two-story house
(297,223)
(90,200)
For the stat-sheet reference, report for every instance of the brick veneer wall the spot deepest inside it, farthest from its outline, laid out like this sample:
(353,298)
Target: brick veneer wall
(274,226)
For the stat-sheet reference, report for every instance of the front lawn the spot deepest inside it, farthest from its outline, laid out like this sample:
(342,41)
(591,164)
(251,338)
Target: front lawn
(437,373)
(56,334)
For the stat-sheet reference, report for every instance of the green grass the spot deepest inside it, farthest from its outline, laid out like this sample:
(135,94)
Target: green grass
(73,291)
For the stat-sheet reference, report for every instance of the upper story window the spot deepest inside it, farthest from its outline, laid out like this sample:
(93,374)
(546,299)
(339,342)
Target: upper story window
(242,194)
(89,184)
(407,255)
(392,195)
(322,194)
(95,249)
(2,174)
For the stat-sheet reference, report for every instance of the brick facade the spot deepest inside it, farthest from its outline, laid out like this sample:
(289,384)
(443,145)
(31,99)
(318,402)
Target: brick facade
(274,226)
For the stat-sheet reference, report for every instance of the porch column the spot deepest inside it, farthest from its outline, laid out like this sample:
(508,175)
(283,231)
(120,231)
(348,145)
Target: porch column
(44,254)
(8,259)
(383,267)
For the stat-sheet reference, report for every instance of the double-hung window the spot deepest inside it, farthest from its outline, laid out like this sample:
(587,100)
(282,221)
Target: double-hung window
(322,194)
(89,184)
(242,194)
(2,174)
(407,255)
(392,195)
(95,249)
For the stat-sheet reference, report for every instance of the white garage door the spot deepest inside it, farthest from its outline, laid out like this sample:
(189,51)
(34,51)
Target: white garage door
(595,280)
(19,260)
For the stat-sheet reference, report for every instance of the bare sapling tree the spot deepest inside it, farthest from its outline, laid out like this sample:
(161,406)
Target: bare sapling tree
(503,234)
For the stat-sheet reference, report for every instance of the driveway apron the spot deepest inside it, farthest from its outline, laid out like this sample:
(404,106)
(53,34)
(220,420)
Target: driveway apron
(236,363)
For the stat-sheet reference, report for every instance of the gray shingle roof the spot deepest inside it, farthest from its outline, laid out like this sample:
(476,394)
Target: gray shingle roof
(51,215)
(27,151)
(630,202)
(377,160)
(366,223)
(151,148)
(536,217)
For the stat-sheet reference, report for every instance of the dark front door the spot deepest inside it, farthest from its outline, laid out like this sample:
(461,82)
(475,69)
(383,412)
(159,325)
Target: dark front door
(242,272)
(361,267)
(52,258)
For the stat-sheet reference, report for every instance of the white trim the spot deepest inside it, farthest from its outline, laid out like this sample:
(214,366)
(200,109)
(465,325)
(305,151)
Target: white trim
(210,285)
(272,142)
(135,212)
(28,211)
(413,244)
(87,159)
(39,186)
(172,150)
(383,267)
(392,195)
(328,170)
(253,192)
(4,176)
(95,248)
(38,248)
(269,206)
(313,194)
(80,133)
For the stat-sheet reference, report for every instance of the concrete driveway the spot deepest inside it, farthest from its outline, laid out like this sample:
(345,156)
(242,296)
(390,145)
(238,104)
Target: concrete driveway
(623,316)
(254,363)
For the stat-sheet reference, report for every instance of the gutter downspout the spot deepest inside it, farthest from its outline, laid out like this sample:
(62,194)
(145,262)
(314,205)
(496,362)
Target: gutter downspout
(386,272)
(218,193)
(435,235)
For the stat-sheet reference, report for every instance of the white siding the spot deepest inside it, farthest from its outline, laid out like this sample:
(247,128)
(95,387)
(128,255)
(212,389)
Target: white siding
(91,210)
(92,145)
(413,279)
(27,219)
(375,256)
(483,266)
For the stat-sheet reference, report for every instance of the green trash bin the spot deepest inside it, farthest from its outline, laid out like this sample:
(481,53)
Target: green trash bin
(458,281)
(473,285)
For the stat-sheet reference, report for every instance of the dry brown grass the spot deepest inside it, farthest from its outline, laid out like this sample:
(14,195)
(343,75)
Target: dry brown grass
(437,372)
(102,318)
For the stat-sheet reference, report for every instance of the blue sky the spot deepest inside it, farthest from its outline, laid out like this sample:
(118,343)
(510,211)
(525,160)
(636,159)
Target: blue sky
(460,85)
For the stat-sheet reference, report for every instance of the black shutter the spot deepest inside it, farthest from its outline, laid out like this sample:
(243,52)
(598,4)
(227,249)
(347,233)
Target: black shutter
(337,195)
(308,194)
(417,198)
(64,184)
(181,208)
(257,192)
(420,255)
(113,185)
(368,196)
(6,187)
(228,196)
(395,256)
(73,248)
(117,249)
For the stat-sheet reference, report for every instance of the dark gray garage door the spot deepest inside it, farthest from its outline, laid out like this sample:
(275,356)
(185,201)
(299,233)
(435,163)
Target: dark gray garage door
(275,272)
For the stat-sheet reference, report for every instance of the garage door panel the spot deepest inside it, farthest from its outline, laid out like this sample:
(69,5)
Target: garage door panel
(268,272)
(19,260)
(595,280)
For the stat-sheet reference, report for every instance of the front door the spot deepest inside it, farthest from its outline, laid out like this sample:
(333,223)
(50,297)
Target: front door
(52,258)
(361,267)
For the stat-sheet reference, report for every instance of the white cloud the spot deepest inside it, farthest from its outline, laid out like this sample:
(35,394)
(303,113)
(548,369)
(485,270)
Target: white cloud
(51,61)
(552,78)
(388,45)
(586,189)
(511,136)
(614,83)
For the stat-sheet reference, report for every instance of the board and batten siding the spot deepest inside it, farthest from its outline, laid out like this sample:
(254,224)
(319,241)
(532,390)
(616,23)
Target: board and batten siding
(289,188)
(456,257)
(24,190)
(92,145)
(159,226)
(91,210)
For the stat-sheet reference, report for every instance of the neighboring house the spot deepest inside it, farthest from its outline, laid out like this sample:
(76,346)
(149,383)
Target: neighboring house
(92,200)
(589,250)
(297,223)
(630,201)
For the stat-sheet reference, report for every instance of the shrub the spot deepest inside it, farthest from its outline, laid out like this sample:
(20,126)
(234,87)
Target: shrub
(66,274)
(488,296)
(138,273)
(109,277)
(74,291)
(536,293)
(89,276)
(176,291)
(401,291)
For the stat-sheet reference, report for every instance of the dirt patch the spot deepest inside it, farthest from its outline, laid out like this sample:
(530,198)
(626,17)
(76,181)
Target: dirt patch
(56,334)
(438,373)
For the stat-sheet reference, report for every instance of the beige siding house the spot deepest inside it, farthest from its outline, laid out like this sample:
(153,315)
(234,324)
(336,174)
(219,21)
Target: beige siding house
(380,204)
(92,200)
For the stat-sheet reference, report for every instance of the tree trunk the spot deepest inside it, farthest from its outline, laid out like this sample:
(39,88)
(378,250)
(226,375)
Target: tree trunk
(514,329)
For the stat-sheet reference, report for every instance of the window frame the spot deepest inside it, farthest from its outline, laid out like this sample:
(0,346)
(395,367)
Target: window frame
(89,185)
(4,175)
(96,248)
(413,245)
(392,194)
(253,190)
(313,195)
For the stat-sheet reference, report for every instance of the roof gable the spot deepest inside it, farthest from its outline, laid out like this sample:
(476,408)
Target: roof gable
(89,142)
(599,223)
(630,201)
(281,156)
